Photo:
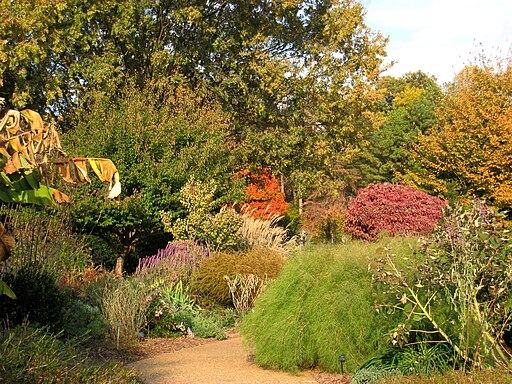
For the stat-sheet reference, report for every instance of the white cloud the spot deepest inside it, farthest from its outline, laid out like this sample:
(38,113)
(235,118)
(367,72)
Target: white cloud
(440,36)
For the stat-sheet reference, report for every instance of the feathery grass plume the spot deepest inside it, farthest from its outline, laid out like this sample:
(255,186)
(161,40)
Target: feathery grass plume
(244,290)
(258,233)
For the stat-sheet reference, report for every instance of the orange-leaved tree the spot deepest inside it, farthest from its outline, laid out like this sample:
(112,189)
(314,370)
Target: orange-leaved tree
(31,156)
(470,153)
(264,195)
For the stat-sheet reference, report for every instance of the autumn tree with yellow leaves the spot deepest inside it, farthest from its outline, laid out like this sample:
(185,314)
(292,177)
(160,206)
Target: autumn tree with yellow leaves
(469,154)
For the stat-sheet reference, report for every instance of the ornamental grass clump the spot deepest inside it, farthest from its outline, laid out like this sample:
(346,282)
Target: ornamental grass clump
(35,355)
(321,306)
(244,291)
(265,233)
(393,209)
(44,236)
(209,281)
(124,305)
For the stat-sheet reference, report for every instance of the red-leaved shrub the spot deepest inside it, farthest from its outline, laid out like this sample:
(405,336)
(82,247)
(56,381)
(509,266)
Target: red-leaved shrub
(393,209)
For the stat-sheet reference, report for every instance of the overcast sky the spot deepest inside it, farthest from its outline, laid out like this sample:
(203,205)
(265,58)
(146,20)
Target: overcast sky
(440,36)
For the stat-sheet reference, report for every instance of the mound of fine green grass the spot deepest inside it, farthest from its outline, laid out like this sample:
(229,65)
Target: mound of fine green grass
(319,307)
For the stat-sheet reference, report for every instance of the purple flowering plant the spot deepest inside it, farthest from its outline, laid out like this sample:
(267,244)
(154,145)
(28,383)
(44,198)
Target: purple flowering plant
(181,256)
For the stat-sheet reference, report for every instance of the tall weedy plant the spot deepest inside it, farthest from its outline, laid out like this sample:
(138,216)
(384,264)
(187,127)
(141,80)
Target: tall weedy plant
(43,236)
(460,294)
(257,233)
(124,304)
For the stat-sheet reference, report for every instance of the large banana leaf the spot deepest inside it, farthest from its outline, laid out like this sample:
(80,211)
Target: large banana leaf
(26,144)
(6,290)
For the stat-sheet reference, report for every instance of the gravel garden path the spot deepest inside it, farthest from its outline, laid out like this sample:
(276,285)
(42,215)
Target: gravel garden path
(220,362)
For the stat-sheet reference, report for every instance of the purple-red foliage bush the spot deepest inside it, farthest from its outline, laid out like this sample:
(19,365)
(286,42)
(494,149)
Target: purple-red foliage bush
(393,209)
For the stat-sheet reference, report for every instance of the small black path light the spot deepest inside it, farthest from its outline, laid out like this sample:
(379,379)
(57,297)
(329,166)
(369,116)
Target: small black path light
(342,359)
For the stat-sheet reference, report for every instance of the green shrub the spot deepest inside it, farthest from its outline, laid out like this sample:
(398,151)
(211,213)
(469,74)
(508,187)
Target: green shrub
(226,317)
(208,324)
(33,355)
(213,322)
(417,359)
(172,311)
(39,298)
(372,375)
(209,282)
(81,319)
(319,307)
(204,222)
(102,251)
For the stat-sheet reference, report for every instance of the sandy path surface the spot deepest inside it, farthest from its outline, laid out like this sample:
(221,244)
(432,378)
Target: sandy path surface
(220,362)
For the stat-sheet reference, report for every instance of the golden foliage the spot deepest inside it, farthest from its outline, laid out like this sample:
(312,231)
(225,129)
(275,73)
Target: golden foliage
(470,154)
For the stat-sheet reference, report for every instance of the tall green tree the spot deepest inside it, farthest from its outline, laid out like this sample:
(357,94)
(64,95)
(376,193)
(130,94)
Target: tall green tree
(407,108)
(318,102)
(294,74)
(159,137)
(51,50)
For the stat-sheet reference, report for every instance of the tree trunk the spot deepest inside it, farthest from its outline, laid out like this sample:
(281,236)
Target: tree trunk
(128,241)
(119,266)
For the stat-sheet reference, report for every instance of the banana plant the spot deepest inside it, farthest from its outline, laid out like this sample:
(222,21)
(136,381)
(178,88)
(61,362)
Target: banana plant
(6,290)
(31,155)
